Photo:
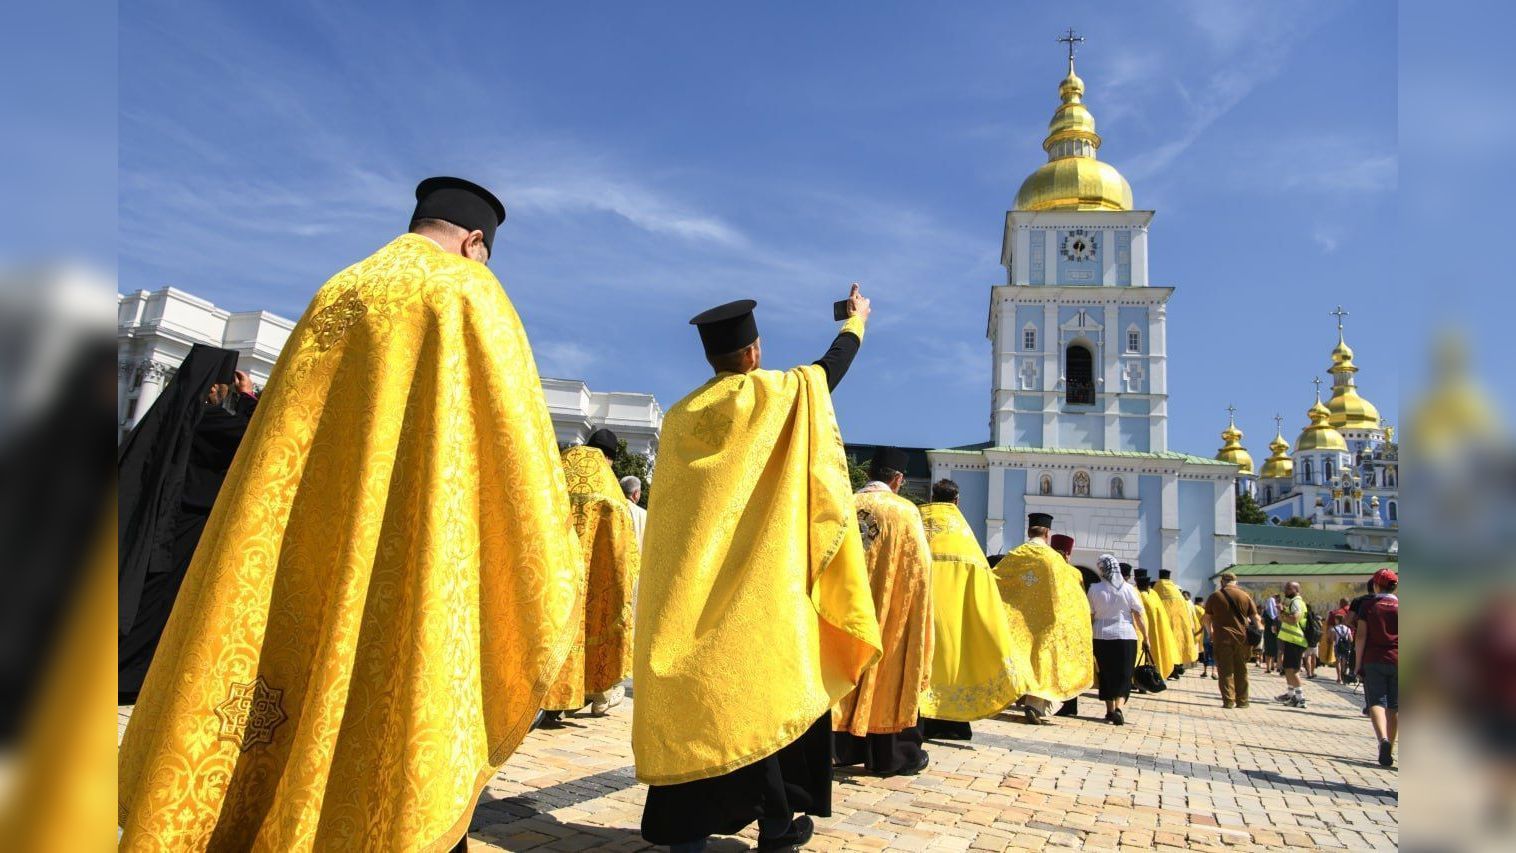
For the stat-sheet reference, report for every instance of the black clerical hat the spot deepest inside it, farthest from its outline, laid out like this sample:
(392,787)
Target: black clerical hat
(604,440)
(1140,574)
(463,203)
(1039,519)
(892,458)
(1126,570)
(727,328)
(1164,574)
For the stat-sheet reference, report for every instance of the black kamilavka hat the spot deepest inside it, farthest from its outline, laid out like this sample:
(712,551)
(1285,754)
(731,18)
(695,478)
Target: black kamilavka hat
(1039,519)
(603,440)
(892,458)
(727,328)
(463,203)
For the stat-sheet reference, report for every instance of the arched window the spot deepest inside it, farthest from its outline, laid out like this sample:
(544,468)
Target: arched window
(1118,488)
(1081,484)
(1394,512)
(1079,376)
(1306,474)
(1268,494)
(1328,469)
(1389,477)
(1029,338)
(1045,485)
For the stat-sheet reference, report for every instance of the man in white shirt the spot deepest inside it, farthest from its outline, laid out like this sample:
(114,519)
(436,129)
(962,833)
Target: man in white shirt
(632,488)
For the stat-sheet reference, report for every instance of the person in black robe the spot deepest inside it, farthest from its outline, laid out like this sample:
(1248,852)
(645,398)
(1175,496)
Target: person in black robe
(171,466)
(797,778)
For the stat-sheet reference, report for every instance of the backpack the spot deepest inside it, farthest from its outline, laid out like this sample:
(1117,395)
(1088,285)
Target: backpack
(1312,629)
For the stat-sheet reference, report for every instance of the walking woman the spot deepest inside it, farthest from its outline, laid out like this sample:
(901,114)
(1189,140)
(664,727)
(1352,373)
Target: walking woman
(1116,613)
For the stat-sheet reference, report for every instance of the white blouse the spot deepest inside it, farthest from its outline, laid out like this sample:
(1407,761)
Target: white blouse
(1112,611)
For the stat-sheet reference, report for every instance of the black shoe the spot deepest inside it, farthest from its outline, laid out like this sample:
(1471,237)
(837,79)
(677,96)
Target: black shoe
(1035,717)
(1119,718)
(1386,754)
(917,767)
(800,831)
(550,720)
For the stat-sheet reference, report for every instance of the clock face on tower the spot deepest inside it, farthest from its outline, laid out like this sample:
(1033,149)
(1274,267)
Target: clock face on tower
(1078,245)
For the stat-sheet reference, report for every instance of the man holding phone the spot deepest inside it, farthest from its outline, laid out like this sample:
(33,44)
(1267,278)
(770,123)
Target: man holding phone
(753,547)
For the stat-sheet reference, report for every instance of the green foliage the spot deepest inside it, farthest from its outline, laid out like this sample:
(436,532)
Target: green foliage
(634,464)
(1297,521)
(857,472)
(1248,511)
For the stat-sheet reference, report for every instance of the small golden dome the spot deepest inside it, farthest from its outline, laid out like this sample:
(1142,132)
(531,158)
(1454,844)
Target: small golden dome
(1349,410)
(1279,465)
(1073,179)
(1320,435)
(1232,450)
(1457,415)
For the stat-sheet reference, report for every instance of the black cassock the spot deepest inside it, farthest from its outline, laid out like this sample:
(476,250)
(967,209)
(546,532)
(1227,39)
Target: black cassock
(171,466)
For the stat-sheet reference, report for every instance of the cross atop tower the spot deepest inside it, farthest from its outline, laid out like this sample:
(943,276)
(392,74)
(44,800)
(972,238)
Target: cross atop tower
(1231,414)
(1071,39)
(1279,423)
(1339,314)
(1317,382)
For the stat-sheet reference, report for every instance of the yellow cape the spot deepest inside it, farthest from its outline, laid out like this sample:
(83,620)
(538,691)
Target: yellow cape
(602,651)
(383,591)
(900,566)
(976,668)
(754,612)
(1048,613)
(1181,619)
(1160,634)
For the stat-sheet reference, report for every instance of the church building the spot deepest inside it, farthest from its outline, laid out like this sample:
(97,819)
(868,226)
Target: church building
(1079,394)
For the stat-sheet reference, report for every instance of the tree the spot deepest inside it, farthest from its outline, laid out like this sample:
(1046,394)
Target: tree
(633,464)
(1248,511)
(857,472)
(1297,521)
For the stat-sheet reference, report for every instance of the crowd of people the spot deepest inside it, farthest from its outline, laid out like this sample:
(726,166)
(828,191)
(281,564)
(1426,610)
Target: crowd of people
(355,617)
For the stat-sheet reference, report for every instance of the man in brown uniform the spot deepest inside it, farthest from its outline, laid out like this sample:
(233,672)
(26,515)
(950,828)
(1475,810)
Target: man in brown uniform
(1228,613)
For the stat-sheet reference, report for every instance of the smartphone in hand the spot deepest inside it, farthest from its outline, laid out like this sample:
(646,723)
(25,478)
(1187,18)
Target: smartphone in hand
(840,310)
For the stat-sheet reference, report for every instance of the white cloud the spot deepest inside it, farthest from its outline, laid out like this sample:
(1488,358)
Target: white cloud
(1326,237)
(560,359)
(639,205)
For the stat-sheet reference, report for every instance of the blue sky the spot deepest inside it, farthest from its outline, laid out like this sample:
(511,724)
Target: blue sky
(656,159)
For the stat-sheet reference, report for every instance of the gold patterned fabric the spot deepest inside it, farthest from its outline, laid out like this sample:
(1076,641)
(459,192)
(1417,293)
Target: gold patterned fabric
(900,566)
(602,652)
(1048,614)
(1181,619)
(976,668)
(383,591)
(1160,633)
(754,613)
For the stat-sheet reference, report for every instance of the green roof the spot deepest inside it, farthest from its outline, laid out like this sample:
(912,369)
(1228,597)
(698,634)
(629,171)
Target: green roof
(1279,536)
(1165,456)
(1303,569)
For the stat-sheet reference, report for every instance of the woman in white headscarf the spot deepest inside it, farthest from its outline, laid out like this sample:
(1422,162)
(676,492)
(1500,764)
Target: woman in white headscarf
(1116,612)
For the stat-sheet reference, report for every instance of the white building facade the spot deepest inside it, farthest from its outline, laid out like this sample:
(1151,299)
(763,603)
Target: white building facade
(1079,397)
(155,330)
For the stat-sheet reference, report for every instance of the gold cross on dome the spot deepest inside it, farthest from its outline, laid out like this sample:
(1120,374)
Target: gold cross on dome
(1317,383)
(1279,423)
(1231,413)
(1071,39)
(1339,314)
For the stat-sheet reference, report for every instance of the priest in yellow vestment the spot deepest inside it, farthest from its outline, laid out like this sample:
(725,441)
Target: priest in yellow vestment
(1048,614)
(602,652)
(875,725)
(384,589)
(976,668)
(1181,618)
(1160,644)
(754,613)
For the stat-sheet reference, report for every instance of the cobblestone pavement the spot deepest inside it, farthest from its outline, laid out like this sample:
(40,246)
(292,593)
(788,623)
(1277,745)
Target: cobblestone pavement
(1182,774)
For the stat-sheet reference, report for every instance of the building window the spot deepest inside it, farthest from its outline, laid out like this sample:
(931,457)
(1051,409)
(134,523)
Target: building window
(1045,485)
(1118,488)
(1079,376)
(1328,470)
(1268,494)
(1081,484)
(1029,339)
(1394,512)
(1133,341)
(1306,474)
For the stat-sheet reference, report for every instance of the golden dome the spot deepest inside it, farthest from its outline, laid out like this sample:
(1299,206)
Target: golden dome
(1073,179)
(1279,465)
(1320,435)
(1457,414)
(1232,450)
(1348,409)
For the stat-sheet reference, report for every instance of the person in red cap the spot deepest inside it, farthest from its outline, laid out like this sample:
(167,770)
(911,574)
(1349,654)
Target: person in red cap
(1378,656)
